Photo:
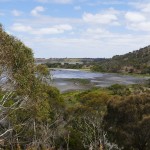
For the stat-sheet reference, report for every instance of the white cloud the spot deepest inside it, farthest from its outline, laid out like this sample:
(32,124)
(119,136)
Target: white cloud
(21,28)
(90,35)
(56,1)
(95,33)
(64,27)
(99,18)
(16,13)
(146,7)
(135,17)
(43,20)
(142,26)
(83,47)
(138,21)
(37,10)
(57,29)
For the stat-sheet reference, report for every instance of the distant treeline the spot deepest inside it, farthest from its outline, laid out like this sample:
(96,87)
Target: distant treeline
(82,64)
(67,65)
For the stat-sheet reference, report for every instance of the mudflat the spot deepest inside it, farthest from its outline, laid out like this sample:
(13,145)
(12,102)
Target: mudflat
(72,79)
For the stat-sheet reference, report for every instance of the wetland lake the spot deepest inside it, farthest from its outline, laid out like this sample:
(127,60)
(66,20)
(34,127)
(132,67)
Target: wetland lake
(72,79)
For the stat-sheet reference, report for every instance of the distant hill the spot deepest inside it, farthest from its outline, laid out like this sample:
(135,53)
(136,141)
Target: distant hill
(133,62)
(67,60)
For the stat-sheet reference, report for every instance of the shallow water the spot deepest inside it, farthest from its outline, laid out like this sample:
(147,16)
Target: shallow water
(73,73)
(60,77)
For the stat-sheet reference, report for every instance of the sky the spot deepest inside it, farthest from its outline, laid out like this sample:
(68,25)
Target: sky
(78,28)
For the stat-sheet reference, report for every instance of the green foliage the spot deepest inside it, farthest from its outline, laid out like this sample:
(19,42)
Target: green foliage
(97,68)
(18,60)
(85,118)
(132,62)
(118,89)
(76,140)
(148,83)
(42,70)
(128,121)
(30,106)
(65,65)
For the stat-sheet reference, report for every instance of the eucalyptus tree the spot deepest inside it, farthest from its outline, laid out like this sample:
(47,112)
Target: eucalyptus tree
(86,120)
(29,107)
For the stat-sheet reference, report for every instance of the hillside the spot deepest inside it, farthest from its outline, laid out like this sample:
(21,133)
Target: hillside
(69,63)
(133,62)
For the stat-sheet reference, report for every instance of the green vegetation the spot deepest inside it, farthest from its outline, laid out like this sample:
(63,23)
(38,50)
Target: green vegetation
(134,62)
(70,63)
(65,65)
(93,114)
(30,110)
(127,122)
(35,116)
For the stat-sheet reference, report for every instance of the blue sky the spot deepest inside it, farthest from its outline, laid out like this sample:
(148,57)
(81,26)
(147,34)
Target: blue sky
(78,28)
